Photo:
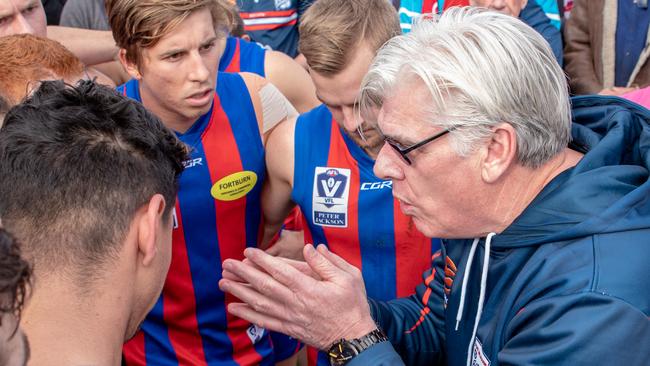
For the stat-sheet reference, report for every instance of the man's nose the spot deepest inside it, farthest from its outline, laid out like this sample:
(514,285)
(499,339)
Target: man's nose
(386,165)
(20,25)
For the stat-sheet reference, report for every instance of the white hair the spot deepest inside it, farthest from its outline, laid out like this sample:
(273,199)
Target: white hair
(482,68)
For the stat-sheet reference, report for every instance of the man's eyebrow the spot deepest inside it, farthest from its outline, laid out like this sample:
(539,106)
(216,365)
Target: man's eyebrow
(173,52)
(209,40)
(31,4)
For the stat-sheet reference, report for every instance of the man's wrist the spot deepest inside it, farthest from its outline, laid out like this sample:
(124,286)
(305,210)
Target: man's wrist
(360,330)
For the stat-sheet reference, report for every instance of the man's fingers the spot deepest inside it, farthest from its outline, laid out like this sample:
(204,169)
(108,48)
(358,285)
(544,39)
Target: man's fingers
(321,265)
(261,281)
(336,260)
(277,268)
(265,321)
(260,302)
(303,267)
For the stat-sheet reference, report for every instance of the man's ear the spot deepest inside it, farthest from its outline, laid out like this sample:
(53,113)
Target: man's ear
(499,153)
(150,219)
(130,67)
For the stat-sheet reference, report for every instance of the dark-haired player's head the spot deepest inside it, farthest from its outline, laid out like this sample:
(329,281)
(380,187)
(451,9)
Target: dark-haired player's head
(88,185)
(15,274)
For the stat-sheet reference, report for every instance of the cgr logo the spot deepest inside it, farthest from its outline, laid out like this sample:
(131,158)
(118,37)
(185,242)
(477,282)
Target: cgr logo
(192,163)
(367,186)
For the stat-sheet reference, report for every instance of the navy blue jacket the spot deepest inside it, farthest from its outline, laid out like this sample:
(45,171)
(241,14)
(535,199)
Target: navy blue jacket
(568,281)
(533,15)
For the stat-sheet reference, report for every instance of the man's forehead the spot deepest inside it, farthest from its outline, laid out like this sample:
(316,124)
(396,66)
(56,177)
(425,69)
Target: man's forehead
(9,6)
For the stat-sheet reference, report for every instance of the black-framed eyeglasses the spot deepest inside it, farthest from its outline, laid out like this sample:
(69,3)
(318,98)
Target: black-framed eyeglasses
(403,151)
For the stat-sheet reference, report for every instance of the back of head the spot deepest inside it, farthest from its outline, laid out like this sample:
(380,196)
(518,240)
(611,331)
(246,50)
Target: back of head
(331,31)
(76,163)
(25,59)
(138,24)
(481,68)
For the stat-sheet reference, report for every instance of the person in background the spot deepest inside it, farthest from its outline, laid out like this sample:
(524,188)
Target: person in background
(27,59)
(607,46)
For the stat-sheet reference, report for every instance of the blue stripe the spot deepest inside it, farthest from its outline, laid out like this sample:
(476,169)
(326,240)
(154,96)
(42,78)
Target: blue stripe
(157,346)
(309,153)
(376,230)
(199,217)
(251,57)
(435,245)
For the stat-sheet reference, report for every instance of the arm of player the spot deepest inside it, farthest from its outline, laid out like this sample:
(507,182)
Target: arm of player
(291,79)
(90,46)
(272,110)
(276,194)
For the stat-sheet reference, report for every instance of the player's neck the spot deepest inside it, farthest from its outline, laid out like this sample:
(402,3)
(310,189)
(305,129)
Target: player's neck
(65,327)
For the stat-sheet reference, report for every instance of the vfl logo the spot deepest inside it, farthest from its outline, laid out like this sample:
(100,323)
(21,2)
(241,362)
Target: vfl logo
(330,197)
(255,333)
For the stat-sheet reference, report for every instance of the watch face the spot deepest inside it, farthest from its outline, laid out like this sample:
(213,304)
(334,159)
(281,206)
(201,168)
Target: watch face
(341,352)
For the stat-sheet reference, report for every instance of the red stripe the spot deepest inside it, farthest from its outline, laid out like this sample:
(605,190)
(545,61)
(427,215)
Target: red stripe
(267,14)
(309,238)
(423,314)
(312,356)
(221,148)
(179,305)
(234,65)
(412,250)
(427,6)
(255,27)
(450,3)
(339,157)
(425,298)
(133,350)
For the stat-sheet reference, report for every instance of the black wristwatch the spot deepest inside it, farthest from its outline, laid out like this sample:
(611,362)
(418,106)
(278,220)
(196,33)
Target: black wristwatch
(344,350)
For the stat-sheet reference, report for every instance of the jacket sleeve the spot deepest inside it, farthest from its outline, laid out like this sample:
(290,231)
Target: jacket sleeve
(578,52)
(578,329)
(534,16)
(414,325)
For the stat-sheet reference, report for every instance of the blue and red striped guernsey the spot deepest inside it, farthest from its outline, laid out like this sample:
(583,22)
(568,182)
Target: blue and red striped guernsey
(242,56)
(217,215)
(348,208)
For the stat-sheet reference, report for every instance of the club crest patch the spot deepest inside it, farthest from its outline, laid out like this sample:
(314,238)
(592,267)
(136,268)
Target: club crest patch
(255,333)
(330,197)
(478,356)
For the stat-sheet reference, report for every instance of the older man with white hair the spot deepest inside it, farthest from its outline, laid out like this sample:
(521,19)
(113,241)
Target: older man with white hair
(480,144)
